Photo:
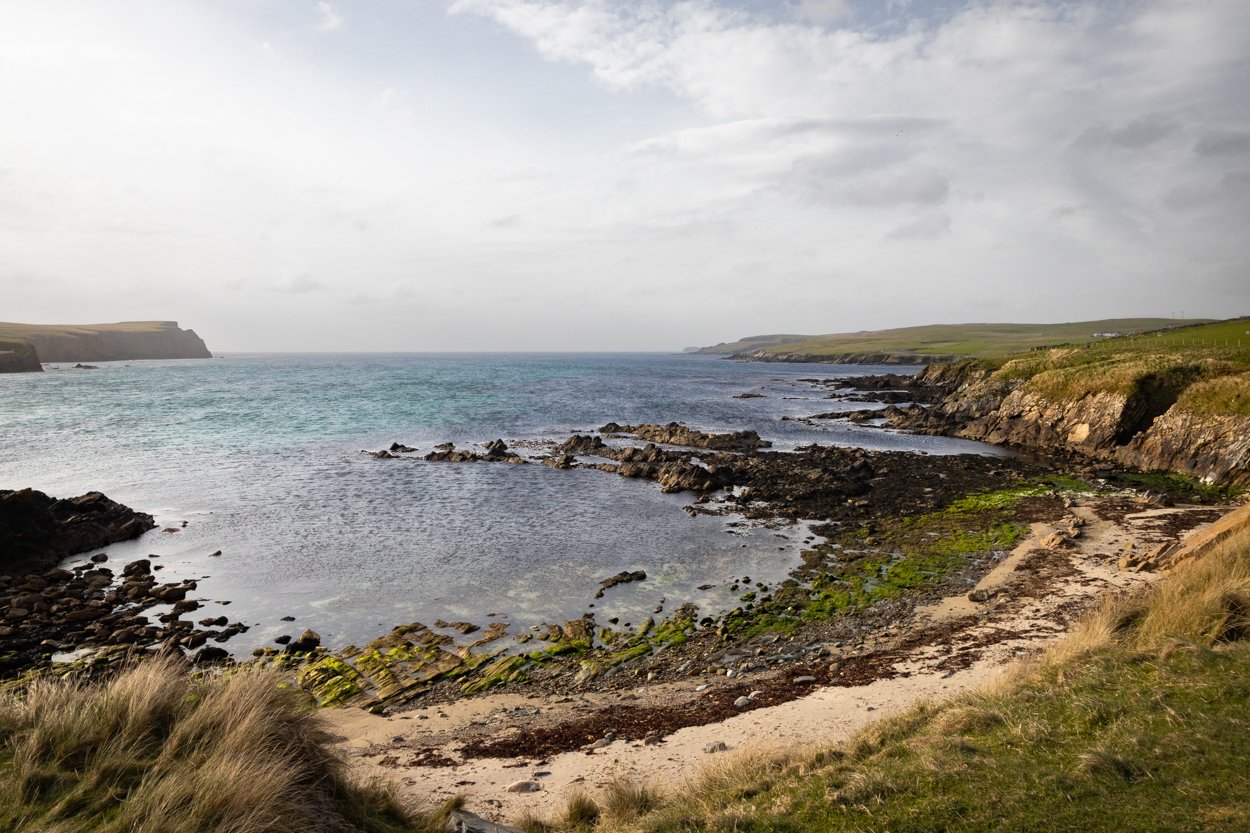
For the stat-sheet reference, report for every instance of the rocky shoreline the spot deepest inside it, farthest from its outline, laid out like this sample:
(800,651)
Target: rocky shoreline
(888,531)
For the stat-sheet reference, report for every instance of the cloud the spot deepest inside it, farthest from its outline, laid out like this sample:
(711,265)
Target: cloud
(829,182)
(1223,143)
(299,285)
(923,227)
(1085,149)
(824,12)
(1136,134)
(329,18)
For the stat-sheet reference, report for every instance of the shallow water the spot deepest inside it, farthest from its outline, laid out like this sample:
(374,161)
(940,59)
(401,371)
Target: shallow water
(260,455)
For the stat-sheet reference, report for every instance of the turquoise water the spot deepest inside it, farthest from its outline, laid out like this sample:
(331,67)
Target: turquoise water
(260,455)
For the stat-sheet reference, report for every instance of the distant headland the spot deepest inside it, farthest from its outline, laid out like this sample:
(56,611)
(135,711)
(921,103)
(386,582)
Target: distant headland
(23,347)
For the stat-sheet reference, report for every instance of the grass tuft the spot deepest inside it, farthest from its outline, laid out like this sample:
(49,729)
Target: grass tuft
(154,749)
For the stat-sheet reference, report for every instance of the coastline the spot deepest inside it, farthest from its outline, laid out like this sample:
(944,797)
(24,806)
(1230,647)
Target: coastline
(1025,610)
(874,606)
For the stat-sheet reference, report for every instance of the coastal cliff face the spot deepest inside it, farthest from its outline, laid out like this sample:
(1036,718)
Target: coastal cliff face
(18,356)
(108,342)
(1186,417)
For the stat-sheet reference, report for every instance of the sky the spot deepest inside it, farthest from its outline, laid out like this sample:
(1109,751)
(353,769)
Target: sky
(591,175)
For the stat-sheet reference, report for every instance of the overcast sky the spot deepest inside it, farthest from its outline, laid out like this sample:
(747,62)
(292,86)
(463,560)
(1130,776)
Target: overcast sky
(581,175)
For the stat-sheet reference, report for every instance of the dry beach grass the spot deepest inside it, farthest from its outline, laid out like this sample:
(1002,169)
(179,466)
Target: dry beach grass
(154,749)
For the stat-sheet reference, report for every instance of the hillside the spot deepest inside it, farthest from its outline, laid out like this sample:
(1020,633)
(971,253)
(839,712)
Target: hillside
(931,343)
(1175,401)
(125,340)
(743,345)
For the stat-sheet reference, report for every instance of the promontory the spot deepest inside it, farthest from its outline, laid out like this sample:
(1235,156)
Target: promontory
(24,346)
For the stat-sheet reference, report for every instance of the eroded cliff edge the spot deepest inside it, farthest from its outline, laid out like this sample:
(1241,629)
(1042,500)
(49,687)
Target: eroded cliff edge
(125,340)
(1161,411)
(17,356)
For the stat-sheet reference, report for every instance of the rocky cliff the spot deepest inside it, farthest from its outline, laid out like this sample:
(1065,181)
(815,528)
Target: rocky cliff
(108,342)
(18,356)
(1155,413)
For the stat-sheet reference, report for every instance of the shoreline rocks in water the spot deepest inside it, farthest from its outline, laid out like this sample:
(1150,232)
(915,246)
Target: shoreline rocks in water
(38,531)
(45,609)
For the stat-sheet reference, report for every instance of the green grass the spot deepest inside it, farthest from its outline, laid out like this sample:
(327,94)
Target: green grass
(875,562)
(950,340)
(1135,721)
(1203,370)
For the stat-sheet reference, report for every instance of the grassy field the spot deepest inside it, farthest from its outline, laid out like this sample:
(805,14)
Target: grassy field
(942,340)
(156,751)
(1204,369)
(24,331)
(1135,721)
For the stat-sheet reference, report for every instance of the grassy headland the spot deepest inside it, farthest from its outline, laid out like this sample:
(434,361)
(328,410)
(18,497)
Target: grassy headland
(124,340)
(942,342)
(1204,369)
(1135,721)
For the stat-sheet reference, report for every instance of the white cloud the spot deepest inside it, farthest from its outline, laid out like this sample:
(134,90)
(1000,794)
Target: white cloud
(1022,154)
(329,18)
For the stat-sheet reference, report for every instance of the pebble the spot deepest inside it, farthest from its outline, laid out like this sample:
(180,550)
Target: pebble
(524,787)
(804,680)
(703,687)
(742,702)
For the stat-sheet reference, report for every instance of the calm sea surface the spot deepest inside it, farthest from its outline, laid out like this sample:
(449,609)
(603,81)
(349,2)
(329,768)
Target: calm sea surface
(260,455)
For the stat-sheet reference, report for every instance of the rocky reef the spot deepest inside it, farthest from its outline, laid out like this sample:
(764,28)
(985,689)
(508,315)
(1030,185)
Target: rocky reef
(127,340)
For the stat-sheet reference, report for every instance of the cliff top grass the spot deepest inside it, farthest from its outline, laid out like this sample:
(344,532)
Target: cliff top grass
(1135,721)
(944,340)
(1205,367)
(14,331)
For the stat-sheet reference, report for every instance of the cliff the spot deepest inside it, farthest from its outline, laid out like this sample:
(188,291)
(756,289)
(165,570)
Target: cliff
(17,356)
(1180,406)
(108,342)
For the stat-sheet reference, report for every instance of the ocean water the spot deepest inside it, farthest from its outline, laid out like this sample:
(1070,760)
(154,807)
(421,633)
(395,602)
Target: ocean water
(260,456)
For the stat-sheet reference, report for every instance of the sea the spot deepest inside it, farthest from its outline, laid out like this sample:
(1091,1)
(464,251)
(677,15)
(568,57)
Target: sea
(260,457)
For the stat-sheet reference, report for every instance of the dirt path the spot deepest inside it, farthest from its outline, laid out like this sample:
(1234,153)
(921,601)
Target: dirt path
(1029,599)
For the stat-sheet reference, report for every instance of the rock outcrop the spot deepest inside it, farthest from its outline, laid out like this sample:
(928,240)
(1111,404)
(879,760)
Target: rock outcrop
(17,356)
(37,531)
(1153,417)
(126,340)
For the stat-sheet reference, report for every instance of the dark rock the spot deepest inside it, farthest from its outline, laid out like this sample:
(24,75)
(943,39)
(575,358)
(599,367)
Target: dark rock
(308,641)
(37,531)
(211,655)
(137,568)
